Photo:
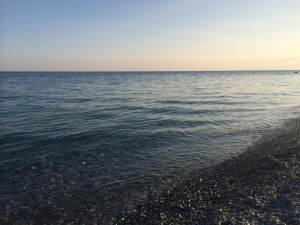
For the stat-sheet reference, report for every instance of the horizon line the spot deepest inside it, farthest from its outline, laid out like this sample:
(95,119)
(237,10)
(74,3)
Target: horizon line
(124,71)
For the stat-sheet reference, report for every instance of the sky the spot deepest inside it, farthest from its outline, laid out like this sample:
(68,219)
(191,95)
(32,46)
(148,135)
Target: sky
(149,35)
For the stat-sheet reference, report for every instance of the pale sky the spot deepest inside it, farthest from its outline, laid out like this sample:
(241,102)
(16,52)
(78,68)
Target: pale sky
(154,35)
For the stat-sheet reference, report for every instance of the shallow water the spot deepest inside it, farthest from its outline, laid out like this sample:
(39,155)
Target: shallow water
(90,143)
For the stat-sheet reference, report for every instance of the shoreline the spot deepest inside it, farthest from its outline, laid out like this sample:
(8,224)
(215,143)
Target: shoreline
(259,186)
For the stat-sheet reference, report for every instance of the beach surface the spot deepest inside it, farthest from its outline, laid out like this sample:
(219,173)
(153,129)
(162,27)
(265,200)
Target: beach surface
(259,186)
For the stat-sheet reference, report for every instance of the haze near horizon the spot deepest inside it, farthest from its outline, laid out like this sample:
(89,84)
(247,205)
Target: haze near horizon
(149,35)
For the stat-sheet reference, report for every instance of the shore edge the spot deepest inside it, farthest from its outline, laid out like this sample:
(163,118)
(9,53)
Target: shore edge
(259,186)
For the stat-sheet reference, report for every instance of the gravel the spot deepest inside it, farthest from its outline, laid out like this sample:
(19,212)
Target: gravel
(259,186)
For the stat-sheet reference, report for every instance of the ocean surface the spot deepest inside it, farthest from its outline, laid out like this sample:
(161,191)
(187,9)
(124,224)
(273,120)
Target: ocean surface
(80,145)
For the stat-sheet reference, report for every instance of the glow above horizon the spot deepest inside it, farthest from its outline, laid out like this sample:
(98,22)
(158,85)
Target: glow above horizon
(149,35)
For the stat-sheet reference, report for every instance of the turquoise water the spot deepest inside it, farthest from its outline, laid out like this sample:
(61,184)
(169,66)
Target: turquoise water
(76,144)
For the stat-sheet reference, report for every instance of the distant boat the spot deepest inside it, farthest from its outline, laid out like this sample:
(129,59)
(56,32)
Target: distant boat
(297,71)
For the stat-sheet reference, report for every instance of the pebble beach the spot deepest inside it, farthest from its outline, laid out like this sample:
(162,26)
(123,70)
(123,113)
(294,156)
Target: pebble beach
(149,147)
(149,112)
(259,186)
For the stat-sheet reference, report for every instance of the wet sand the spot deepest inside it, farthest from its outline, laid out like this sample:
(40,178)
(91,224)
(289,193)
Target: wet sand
(259,186)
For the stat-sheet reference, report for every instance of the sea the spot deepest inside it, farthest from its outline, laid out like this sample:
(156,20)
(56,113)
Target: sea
(86,146)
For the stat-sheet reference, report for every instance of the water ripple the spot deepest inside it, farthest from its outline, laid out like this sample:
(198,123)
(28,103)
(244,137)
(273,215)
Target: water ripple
(119,134)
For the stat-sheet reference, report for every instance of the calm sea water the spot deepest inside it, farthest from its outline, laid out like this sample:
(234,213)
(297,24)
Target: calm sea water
(86,144)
